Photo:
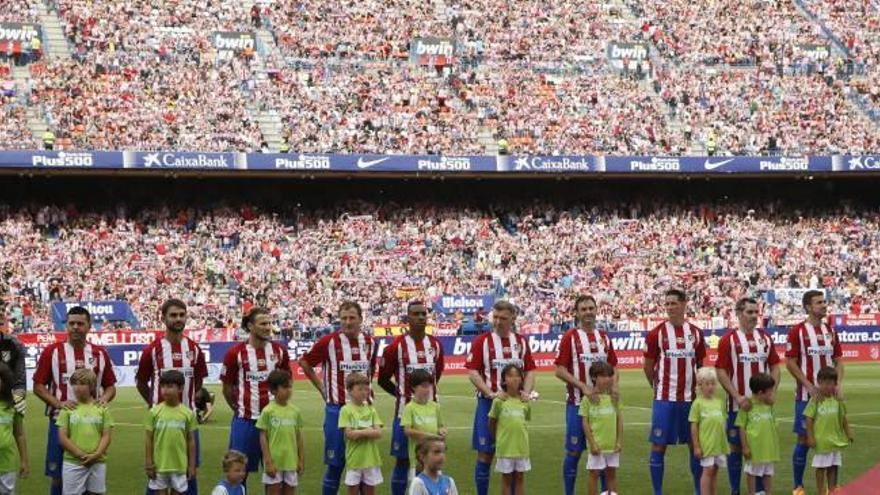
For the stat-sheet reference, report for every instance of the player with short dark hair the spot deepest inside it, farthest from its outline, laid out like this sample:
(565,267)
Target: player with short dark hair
(414,351)
(812,345)
(579,348)
(51,381)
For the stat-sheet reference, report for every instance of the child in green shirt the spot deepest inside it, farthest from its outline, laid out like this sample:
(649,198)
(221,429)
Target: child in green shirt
(421,419)
(170,460)
(84,433)
(362,427)
(708,418)
(12,435)
(280,424)
(759,434)
(507,423)
(603,428)
(827,430)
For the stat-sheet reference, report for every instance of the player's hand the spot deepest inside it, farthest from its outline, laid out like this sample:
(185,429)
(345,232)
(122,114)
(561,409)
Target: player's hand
(615,395)
(69,405)
(301,467)
(443,431)
(150,469)
(618,448)
(698,453)
(744,403)
(102,402)
(24,470)
(191,473)
(594,450)
(838,392)
(747,452)
(525,396)
(812,390)
(811,442)
(593,395)
(270,469)
(90,459)
(501,396)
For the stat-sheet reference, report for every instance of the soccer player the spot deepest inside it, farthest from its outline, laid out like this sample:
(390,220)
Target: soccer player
(341,353)
(812,345)
(12,354)
(742,354)
(173,351)
(578,350)
(245,375)
(489,354)
(675,349)
(407,353)
(54,367)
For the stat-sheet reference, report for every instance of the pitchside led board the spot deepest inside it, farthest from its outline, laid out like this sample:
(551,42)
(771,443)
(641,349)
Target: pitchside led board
(440,164)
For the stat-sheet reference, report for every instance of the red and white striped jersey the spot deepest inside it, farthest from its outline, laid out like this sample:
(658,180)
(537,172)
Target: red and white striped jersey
(743,355)
(60,360)
(403,356)
(340,355)
(814,349)
(247,368)
(490,353)
(677,353)
(186,357)
(578,350)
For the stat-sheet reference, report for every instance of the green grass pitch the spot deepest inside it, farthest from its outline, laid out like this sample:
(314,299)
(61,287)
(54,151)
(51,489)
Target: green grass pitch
(125,461)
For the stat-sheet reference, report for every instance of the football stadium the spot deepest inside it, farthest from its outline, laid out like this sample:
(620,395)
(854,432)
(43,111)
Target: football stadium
(451,247)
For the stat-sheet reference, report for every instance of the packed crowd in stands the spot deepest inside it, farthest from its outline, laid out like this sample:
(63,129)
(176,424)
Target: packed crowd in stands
(758,112)
(303,262)
(13,113)
(146,76)
(19,11)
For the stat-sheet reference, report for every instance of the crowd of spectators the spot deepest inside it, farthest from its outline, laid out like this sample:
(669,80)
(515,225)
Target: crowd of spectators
(14,134)
(19,11)
(303,262)
(748,112)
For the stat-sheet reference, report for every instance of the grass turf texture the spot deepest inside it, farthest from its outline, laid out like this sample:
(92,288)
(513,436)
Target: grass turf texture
(125,461)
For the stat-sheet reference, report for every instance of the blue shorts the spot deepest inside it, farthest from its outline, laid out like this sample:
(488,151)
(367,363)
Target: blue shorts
(399,442)
(334,438)
(574,429)
(800,422)
(245,438)
(198,448)
(669,423)
(482,440)
(732,429)
(54,451)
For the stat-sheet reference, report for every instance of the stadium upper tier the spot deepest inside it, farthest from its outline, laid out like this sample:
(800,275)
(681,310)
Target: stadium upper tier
(735,77)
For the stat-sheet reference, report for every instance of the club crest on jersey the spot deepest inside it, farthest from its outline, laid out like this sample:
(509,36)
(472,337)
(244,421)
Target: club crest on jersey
(430,352)
(261,362)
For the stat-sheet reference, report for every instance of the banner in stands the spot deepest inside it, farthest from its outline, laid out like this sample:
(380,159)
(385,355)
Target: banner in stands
(229,43)
(371,163)
(859,344)
(18,32)
(180,160)
(715,165)
(465,303)
(562,164)
(100,311)
(61,159)
(432,51)
(629,54)
(865,163)
(815,51)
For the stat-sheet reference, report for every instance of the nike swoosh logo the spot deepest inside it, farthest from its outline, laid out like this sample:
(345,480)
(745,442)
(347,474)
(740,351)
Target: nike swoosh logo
(369,163)
(712,166)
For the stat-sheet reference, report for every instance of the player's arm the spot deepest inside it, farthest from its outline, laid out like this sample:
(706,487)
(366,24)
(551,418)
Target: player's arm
(652,352)
(727,384)
(563,374)
(107,380)
(791,364)
(838,365)
(477,380)
(66,443)
(209,411)
(776,373)
(229,377)
(144,374)
(386,370)
(108,395)
(18,432)
(317,354)
(695,438)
